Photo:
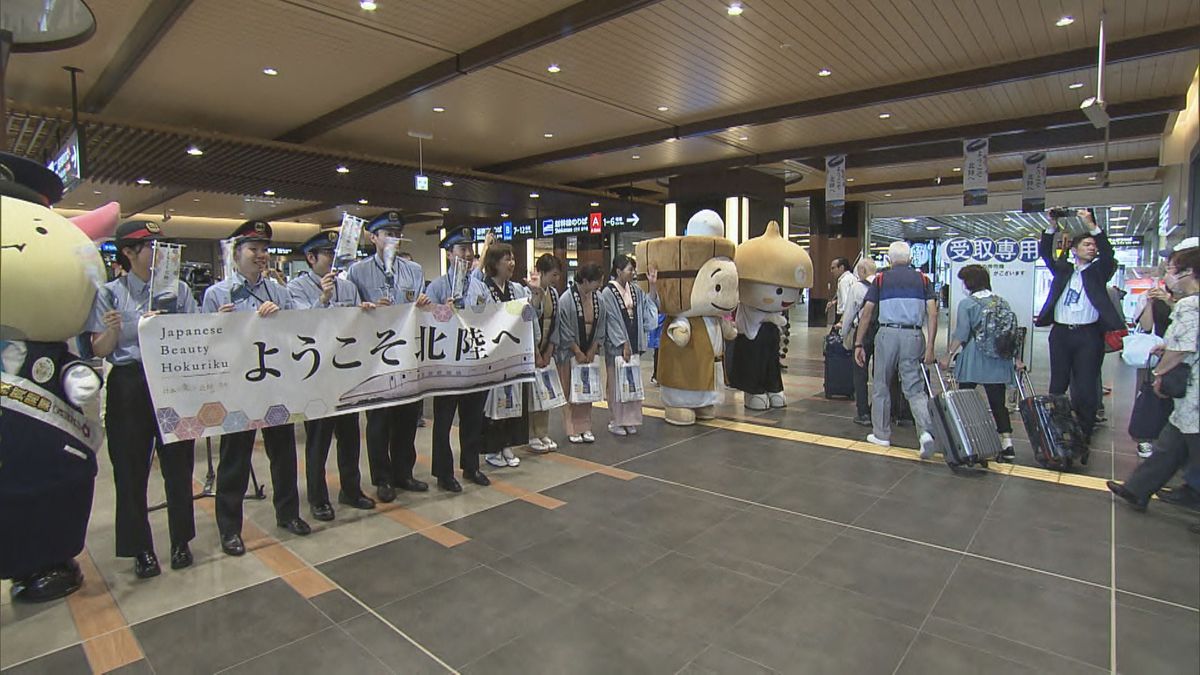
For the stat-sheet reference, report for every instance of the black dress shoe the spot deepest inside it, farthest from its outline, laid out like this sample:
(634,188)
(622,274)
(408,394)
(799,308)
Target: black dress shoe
(322,511)
(296,526)
(477,477)
(449,483)
(412,485)
(1123,492)
(145,565)
(232,545)
(385,492)
(360,502)
(863,420)
(52,583)
(181,556)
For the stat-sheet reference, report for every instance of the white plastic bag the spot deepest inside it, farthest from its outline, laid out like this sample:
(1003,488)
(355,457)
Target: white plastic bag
(585,382)
(548,391)
(629,380)
(503,402)
(1135,348)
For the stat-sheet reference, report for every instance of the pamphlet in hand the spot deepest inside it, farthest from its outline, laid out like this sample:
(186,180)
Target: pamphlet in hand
(347,244)
(164,276)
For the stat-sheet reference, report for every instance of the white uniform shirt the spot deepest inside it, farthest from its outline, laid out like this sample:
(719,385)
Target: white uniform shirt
(1073,306)
(845,286)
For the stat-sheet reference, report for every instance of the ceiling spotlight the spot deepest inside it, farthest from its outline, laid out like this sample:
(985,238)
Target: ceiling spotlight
(534,195)
(362,201)
(743,138)
(195,199)
(849,180)
(887,194)
(636,157)
(908,220)
(1075,85)
(194,151)
(270,72)
(735,9)
(933,227)
(368,5)
(269,193)
(1111,208)
(1091,178)
(445,209)
(547,135)
(672,140)
(504,215)
(884,115)
(342,168)
(824,72)
(1118,219)
(663,108)
(447,183)
(1064,21)
(553,68)
(1088,156)
(956,169)
(143,181)
(438,109)
(96,192)
(595,204)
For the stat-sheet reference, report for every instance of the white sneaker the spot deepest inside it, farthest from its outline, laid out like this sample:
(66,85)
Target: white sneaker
(496,459)
(927,445)
(550,444)
(576,438)
(537,445)
(1145,449)
(510,457)
(632,431)
(588,437)
(616,431)
(872,438)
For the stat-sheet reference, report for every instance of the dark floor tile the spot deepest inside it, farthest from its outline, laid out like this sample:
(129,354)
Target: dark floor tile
(1084,513)
(228,630)
(689,594)
(797,632)
(330,651)
(813,498)
(881,576)
(385,644)
(514,525)
(950,525)
(466,617)
(398,568)
(591,557)
(717,661)
(609,449)
(931,655)
(69,660)
(1041,660)
(763,453)
(1050,613)
(542,582)
(1166,576)
(1161,529)
(864,473)
(716,476)
(139,667)
(936,485)
(1054,549)
(782,542)
(337,606)
(669,518)
(1156,638)
(597,496)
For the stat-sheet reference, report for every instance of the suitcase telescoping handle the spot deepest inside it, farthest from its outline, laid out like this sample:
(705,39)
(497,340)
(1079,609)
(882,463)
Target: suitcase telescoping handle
(929,384)
(1024,385)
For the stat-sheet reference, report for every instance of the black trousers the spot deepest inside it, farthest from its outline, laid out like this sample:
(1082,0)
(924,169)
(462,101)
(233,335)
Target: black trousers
(1075,359)
(862,395)
(996,393)
(392,442)
(133,437)
(233,475)
(318,435)
(1173,450)
(470,432)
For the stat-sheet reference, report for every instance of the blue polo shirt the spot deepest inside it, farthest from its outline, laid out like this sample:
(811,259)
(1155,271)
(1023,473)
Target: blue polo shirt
(899,294)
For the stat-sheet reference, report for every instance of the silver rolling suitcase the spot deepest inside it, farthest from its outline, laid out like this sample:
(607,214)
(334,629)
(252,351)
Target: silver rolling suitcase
(963,427)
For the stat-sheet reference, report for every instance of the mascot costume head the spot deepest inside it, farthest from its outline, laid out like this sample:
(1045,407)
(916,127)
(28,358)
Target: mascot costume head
(49,273)
(697,289)
(773,271)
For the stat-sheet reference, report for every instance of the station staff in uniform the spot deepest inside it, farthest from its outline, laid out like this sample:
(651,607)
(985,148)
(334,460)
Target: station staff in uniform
(250,290)
(469,407)
(315,289)
(132,429)
(386,279)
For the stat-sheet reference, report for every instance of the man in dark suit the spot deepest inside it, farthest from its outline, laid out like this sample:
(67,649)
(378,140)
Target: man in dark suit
(1080,312)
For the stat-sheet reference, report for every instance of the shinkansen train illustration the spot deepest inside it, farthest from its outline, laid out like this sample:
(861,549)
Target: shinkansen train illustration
(435,379)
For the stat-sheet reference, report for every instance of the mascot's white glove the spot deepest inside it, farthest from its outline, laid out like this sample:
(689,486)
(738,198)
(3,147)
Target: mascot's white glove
(680,332)
(778,319)
(81,384)
(728,329)
(13,356)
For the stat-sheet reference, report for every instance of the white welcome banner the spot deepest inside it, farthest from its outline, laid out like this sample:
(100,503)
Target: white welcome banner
(212,374)
(975,171)
(1033,183)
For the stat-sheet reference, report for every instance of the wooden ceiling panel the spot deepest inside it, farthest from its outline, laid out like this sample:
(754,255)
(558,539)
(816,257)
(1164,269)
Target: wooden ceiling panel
(684,151)
(207,71)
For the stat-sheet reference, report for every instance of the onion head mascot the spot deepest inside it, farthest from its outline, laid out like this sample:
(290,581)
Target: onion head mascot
(771,273)
(49,273)
(697,289)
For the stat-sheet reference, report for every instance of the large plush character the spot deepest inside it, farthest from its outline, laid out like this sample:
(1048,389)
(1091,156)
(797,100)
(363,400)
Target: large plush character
(771,273)
(697,289)
(49,272)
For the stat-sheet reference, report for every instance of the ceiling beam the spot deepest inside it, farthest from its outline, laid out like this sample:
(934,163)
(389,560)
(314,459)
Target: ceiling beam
(154,23)
(302,211)
(578,17)
(1051,64)
(815,154)
(151,202)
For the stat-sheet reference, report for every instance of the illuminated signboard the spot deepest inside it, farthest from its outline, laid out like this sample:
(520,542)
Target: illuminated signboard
(68,162)
(592,223)
(1124,241)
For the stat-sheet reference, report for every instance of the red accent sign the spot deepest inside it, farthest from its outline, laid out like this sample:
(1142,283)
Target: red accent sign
(595,222)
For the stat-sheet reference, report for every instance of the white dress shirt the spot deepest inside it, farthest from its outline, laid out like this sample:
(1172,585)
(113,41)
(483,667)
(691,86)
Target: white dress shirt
(1074,307)
(845,285)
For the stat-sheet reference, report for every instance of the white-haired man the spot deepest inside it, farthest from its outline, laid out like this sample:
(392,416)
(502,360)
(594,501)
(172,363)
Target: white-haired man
(907,308)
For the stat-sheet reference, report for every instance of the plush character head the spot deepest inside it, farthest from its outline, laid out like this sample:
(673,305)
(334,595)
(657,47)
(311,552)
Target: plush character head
(696,272)
(49,266)
(772,271)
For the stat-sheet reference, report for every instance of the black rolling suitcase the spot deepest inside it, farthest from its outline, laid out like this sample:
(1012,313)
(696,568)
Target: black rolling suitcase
(1053,430)
(963,427)
(839,367)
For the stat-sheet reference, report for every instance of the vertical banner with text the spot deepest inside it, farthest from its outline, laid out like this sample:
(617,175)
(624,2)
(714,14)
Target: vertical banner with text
(975,171)
(835,188)
(1033,183)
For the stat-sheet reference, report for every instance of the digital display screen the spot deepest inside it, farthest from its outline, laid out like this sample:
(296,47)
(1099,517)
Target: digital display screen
(68,162)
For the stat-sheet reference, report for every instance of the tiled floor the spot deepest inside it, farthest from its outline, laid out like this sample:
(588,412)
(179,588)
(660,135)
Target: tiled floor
(756,543)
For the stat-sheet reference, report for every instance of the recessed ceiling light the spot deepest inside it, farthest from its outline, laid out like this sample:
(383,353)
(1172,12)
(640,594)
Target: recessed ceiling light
(534,195)
(241,213)
(269,193)
(1091,178)
(78,203)
(547,135)
(342,168)
(672,140)
(143,181)
(553,68)
(743,138)
(96,192)
(1064,21)
(171,210)
(447,183)
(270,71)
(1075,85)
(195,199)
(735,9)
(504,215)
(956,169)
(887,194)
(594,204)
(884,115)
(445,209)
(438,109)
(663,108)
(933,227)
(368,5)
(1088,156)
(1111,208)
(194,151)
(908,220)
(1118,219)
(824,72)
(362,201)
(849,180)
(636,157)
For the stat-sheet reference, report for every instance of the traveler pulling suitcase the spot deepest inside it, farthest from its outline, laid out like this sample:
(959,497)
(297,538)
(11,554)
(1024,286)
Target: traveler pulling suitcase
(963,427)
(839,371)
(1053,431)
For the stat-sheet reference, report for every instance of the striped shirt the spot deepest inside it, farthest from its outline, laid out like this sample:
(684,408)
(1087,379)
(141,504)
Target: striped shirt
(899,294)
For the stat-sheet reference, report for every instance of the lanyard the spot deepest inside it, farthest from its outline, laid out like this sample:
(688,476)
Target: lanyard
(313,279)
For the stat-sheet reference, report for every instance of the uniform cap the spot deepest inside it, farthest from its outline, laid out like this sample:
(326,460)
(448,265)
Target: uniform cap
(326,240)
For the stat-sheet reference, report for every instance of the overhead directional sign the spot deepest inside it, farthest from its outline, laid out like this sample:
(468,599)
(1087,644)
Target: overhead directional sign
(595,222)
